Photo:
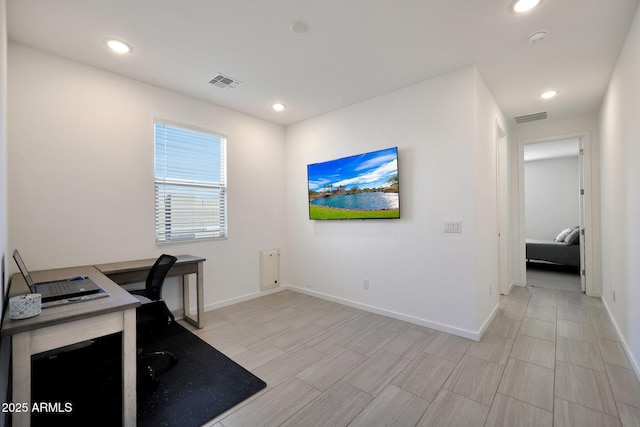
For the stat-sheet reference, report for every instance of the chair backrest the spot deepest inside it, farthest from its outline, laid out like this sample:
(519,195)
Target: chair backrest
(158,272)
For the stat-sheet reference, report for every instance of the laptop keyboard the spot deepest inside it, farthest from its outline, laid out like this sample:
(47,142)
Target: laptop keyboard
(56,288)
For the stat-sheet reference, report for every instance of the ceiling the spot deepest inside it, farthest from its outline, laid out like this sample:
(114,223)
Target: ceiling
(552,149)
(353,49)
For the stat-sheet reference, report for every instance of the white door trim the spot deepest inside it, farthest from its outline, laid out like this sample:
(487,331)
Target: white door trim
(592,286)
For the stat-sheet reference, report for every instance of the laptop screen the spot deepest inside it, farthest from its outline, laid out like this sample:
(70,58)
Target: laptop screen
(23,270)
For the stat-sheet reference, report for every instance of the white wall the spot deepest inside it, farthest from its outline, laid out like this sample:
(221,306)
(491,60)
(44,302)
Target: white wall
(620,154)
(81,173)
(415,270)
(487,117)
(5,341)
(3,149)
(551,196)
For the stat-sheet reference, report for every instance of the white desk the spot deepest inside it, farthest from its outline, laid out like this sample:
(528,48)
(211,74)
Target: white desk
(68,324)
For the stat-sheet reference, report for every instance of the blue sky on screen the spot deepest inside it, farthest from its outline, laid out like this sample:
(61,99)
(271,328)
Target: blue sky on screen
(370,170)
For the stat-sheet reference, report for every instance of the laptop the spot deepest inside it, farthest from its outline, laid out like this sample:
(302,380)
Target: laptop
(58,292)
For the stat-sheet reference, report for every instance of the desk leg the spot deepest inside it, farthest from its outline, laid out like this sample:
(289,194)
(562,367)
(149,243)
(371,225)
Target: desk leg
(129,368)
(186,301)
(21,360)
(200,294)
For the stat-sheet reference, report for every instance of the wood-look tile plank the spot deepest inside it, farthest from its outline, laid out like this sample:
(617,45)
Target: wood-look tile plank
(255,357)
(491,348)
(543,300)
(541,312)
(273,407)
(534,350)
(574,315)
(329,409)
(337,318)
(476,379)
(529,383)
(302,318)
(504,327)
(605,330)
(335,340)
(613,353)
(579,353)
(288,365)
(629,415)
(512,311)
(410,343)
(624,385)
(508,412)
(331,369)
(585,387)
(572,300)
(377,372)
(392,407)
(450,409)
(538,329)
(577,331)
(294,338)
(425,375)
(261,334)
(568,414)
(367,321)
(369,341)
(448,346)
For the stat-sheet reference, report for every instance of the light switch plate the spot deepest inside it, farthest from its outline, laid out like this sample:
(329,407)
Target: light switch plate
(453,226)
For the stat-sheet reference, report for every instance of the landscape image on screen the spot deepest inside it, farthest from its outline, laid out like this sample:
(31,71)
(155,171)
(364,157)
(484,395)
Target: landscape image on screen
(364,186)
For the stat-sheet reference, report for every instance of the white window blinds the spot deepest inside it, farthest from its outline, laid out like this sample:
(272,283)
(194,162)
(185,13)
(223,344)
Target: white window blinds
(190,184)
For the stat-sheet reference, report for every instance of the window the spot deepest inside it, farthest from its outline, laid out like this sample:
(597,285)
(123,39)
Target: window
(190,181)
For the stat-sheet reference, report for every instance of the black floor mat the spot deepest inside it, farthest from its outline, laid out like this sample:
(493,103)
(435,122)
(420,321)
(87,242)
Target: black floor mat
(82,387)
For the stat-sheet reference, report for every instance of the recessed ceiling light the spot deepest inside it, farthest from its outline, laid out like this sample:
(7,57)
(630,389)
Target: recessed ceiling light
(548,94)
(522,6)
(278,106)
(118,46)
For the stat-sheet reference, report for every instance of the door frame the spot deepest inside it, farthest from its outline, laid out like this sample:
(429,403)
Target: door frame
(591,286)
(502,208)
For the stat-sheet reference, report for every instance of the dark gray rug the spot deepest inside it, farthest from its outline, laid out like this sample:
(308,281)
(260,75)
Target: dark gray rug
(202,385)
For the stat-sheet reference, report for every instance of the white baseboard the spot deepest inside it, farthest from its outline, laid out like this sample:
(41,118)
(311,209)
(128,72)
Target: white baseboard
(236,300)
(399,316)
(368,308)
(487,322)
(632,359)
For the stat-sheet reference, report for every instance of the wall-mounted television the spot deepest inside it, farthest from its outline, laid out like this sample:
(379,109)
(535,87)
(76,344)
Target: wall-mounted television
(364,186)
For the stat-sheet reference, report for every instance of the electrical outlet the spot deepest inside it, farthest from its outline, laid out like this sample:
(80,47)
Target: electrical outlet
(365,283)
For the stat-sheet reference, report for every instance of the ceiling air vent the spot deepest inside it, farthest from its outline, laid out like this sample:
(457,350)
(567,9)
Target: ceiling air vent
(531,117)
(224,82)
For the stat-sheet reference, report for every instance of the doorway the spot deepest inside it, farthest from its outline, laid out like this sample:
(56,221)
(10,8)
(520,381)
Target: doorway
(562,166)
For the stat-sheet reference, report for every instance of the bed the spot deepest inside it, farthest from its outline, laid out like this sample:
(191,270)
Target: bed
(564,249)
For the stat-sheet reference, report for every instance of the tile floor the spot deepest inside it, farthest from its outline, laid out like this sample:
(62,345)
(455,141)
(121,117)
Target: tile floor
(549,358)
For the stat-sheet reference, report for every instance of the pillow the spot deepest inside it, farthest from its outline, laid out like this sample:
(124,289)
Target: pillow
(573,238)
(563,235)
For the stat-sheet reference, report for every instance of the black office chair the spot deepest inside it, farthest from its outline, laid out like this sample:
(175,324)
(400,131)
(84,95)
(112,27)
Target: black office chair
(152,316)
